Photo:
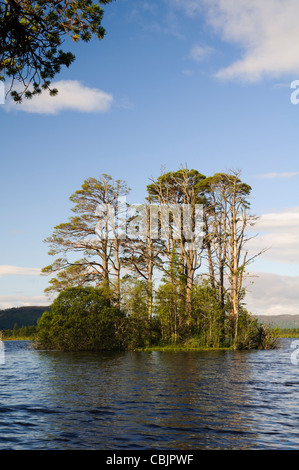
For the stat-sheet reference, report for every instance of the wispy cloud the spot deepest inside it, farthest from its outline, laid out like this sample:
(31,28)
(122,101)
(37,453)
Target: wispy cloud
(200,52)
(72,96)
(272,294)
(8,270)
(279,233)
(289,174)
(190,7)
(265,31)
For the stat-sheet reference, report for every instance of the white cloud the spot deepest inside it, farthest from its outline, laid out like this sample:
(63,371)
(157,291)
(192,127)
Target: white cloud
(265,31)
(278,175)
(8,270)
(279,233)
(72,95)
(199,53)
(272,294)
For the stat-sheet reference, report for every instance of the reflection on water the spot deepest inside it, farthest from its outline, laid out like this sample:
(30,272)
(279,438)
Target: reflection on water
(148,400)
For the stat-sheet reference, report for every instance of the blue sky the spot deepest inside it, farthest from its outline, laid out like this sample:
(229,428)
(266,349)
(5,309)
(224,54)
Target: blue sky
(174,82)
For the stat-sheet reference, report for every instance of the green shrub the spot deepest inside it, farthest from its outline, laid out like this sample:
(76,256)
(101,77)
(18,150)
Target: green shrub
(254,335)
(81,319)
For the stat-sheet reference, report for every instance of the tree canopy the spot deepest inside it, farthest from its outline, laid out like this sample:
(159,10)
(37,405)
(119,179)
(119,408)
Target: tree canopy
(81,318)
(31,34)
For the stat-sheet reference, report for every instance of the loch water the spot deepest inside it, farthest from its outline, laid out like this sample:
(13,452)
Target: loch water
(51,400)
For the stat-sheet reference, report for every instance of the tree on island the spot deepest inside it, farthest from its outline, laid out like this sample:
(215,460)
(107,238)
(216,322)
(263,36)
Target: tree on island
(168,288)
(180,191)
(90,234)
(31,34)
(228,219)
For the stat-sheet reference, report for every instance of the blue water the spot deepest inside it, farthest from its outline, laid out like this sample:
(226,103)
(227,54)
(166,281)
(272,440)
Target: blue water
(148,400)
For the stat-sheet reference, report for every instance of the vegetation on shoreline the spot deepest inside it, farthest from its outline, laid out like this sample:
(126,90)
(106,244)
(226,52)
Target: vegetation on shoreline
(31,332)
(288,332)
(24,332)
(85,319)
(167,273)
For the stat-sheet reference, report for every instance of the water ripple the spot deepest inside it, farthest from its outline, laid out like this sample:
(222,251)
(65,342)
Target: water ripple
(183,400)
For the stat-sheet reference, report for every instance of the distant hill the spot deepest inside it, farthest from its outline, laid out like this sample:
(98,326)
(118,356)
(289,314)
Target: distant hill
(27,316)
(22,316)
(282,321)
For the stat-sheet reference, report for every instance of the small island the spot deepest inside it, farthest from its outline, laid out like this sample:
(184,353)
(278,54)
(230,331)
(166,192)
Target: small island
(166,274)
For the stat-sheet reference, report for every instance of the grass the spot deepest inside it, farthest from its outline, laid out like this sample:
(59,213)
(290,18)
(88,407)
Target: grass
(180,348)
(192,344)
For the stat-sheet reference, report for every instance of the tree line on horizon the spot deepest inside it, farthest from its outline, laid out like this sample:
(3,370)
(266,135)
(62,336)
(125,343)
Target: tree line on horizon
(182,284)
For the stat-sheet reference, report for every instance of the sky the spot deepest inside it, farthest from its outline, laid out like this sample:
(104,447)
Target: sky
(210,84)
